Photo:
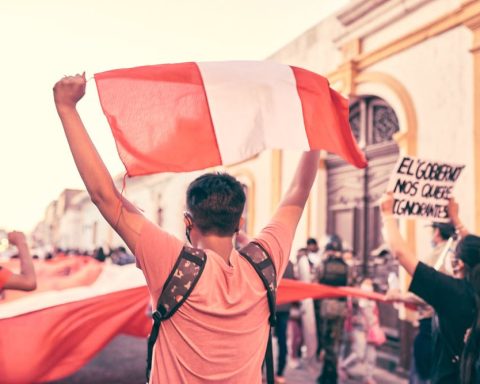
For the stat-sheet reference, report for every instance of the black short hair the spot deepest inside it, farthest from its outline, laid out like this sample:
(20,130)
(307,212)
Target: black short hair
(468,250)
(334,243)
(311,241)
(216,202)
(446,230)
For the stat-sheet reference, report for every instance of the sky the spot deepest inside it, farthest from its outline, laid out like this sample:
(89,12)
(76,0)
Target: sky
(44,40)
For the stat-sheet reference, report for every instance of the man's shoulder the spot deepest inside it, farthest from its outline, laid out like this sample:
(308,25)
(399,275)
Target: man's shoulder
(151,232)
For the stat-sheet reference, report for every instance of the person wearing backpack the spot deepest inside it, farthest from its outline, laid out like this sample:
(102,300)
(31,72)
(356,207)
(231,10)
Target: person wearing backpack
(219,334)
(335,272)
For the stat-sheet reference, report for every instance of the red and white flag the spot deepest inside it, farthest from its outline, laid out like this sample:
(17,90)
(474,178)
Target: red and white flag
(57,331)
(190,116)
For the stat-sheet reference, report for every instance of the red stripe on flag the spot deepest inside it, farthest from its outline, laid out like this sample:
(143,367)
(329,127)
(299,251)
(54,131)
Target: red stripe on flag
(59,340)
(160,118)
(55,342)
(325,114)
(292,290)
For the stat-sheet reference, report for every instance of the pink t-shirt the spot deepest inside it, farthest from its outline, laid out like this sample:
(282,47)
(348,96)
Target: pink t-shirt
(219,335)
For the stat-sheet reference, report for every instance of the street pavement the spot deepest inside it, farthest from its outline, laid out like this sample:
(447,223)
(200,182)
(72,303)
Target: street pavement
(123,362)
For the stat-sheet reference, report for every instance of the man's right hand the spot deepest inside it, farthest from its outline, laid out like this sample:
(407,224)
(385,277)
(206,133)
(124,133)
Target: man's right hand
(16,238)
(69,90)
(123,216)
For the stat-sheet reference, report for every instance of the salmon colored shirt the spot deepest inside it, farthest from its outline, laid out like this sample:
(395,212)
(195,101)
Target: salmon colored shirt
(219,335)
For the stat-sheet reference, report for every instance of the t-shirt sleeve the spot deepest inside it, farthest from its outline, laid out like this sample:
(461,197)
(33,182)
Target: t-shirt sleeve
(156,253)
(277,237)
(4,276)
(436,288)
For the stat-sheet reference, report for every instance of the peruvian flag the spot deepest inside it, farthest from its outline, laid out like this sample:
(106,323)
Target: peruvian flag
(52,332)
(190,116)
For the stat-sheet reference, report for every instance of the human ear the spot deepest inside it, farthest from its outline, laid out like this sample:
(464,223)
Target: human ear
(187,220)
(241,223)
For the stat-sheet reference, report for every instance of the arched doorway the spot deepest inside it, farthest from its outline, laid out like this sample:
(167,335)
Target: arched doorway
(352,201)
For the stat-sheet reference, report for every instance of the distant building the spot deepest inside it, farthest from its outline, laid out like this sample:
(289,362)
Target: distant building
(46,232)
(412,72)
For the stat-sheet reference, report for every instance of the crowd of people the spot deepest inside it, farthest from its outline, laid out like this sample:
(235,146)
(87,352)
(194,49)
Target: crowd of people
(337,334)
(444,293)
(454,297)
(58,270)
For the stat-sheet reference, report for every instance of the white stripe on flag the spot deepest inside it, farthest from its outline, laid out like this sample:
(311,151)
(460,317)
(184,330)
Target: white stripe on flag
(113,278)
(253,105)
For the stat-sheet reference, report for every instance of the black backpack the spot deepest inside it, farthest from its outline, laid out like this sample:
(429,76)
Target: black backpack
(183,279)
(335,272)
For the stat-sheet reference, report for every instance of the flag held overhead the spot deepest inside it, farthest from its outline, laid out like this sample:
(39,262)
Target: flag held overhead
(191,116)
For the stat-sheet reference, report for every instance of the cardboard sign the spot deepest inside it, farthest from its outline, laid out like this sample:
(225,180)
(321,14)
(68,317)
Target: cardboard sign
(421,188)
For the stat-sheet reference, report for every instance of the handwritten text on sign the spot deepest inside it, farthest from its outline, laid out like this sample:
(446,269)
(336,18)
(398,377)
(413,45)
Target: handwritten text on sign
(421,188)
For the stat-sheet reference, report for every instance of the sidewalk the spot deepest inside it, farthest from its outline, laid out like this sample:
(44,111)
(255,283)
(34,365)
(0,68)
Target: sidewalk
(308,375)
(123,362)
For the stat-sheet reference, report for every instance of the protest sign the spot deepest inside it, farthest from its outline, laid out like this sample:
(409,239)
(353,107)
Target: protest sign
(421,188)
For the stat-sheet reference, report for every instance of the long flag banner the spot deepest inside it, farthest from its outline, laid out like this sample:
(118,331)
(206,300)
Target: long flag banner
(51,334)
(191,116)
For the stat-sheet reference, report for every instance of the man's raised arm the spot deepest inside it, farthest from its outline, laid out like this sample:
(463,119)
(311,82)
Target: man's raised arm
(119,213)
(301,184)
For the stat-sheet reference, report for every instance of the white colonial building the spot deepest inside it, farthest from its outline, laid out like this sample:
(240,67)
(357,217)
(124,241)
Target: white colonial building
(411,69)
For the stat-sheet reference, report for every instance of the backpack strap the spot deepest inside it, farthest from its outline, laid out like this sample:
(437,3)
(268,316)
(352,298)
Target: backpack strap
(261,261)
(177,288)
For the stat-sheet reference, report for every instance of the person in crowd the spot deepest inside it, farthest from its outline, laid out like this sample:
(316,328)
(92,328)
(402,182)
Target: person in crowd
(454,299)
(25,280)
(367,335)
(99,254)
(220,334)
(281,326)
(313,253)
(333,311)
(350,258)
(120,256)
(421,359)
(306,272)
(441,233)
(296,334)
(315,261)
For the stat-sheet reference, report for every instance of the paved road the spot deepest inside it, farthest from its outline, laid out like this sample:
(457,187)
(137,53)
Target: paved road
(123,362)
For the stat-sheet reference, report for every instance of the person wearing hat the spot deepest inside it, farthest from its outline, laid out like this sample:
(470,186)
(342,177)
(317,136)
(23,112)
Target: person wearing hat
(421,362)
(332,311)
(456,300)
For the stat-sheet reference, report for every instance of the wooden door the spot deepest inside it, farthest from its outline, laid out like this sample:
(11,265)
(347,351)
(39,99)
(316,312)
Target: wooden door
(352,200)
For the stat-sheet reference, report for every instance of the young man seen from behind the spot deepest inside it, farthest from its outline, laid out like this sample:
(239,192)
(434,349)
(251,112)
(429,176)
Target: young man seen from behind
(219,334)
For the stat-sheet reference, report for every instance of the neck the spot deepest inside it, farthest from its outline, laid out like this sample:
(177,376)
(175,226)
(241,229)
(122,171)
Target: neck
(220,245)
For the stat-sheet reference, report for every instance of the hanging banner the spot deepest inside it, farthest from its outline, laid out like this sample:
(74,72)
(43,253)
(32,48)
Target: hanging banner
(421,188)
